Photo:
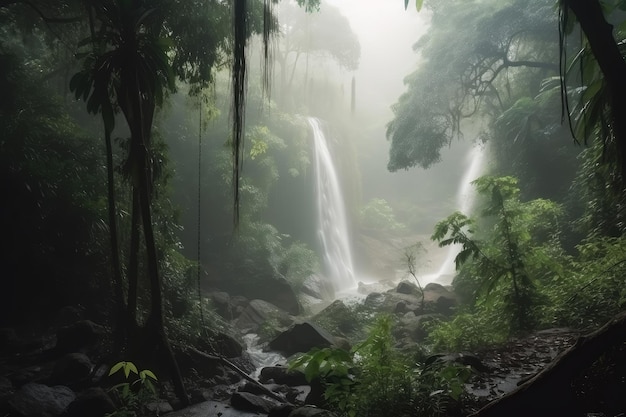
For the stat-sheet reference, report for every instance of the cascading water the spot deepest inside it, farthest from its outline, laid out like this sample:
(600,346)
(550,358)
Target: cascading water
(333,225)
(465,198)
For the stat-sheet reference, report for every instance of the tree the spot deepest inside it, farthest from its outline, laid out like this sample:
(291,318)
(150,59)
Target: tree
(476,60)
(325,33)
(608,55)
(513,257)
(129,67)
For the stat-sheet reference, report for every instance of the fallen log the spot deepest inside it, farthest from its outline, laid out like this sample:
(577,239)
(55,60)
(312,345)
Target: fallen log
(550,393)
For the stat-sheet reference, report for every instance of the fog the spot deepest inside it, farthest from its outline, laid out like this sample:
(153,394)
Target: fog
(419,197)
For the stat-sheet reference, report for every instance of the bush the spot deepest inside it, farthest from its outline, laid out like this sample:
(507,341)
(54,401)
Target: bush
(374,379)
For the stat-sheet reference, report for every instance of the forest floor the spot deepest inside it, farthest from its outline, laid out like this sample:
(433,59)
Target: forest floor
(504,367)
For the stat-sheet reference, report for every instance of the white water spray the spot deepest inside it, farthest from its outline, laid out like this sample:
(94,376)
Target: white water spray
(333,226)
(465,198)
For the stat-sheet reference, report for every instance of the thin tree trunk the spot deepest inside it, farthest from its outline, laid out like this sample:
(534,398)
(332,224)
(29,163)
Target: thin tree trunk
(133,262)
(114,240)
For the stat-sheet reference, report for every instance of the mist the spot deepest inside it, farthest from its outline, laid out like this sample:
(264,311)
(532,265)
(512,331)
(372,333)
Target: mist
(329,207)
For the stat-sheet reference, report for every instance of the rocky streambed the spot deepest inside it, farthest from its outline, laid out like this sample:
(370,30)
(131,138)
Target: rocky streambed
(64,370)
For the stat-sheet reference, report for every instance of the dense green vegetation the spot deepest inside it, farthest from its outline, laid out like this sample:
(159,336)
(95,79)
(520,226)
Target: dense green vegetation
(121,155)
(545,238)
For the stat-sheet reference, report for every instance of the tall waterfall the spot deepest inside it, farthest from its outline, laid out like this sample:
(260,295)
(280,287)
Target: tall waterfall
(465,198)
(331,209)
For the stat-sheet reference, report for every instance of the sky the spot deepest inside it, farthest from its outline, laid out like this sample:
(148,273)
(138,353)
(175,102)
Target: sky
(387,33)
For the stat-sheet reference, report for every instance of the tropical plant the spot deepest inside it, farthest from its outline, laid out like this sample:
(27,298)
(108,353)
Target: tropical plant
(133,395)
(374,379)
(515,256)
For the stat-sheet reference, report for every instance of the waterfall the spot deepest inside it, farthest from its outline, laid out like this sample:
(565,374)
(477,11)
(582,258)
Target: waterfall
(465,198)
(333,225)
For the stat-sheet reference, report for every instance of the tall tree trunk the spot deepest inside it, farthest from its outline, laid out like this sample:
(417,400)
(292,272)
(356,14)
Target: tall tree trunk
(599,33)
(133,261)
(143,110)
(116,264)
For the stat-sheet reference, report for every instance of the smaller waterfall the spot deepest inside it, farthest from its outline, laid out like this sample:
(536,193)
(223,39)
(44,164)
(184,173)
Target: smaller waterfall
(465,198)
(333,225)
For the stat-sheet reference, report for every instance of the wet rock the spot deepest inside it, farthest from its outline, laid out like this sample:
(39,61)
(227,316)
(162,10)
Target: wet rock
(403,307)
(301,337)
(276,290)
(71,369)
(261,313)
(220,300)
(93,402)
(408,287)
(374,299)
(415,327)
(439,299)
(160,407)
(336,315)
(318,287)
(282,375)
(38,400)
(246,401)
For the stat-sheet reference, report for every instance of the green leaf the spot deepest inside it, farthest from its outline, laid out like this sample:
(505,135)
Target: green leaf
(116,367)
(128,367)
(147,373)
(406,4)
(418,4)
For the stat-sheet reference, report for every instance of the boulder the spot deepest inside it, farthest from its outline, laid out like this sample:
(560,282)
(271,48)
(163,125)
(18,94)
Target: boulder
(415,326)
(318,287)
(301,337)
(246,401)
(279,292)
(220,300)
(71,369)
(408,287)
(374,300)
(402,307)
(158,408)
(336,316)
(439,299)
(78,335)
(398,303)
(38,400)
(259,313)
(93,402)
(282,375)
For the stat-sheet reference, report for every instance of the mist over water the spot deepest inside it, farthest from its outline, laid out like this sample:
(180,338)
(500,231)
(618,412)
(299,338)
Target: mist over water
(465,199)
